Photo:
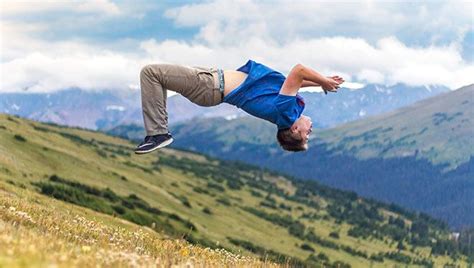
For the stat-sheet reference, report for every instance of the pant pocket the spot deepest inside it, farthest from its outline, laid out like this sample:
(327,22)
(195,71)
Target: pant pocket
(206,99)
(210,97)
(204,93)
(204,72)
(200,69)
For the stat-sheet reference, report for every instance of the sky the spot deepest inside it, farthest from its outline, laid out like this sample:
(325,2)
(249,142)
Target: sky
(103,44)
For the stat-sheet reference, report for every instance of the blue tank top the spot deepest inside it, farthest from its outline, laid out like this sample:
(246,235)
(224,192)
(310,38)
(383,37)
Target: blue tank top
(259,96)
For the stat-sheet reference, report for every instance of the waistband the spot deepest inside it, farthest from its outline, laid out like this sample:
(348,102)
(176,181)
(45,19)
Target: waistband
(219,82)
(220,73)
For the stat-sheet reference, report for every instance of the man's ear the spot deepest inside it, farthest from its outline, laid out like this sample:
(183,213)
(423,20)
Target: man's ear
(294,128)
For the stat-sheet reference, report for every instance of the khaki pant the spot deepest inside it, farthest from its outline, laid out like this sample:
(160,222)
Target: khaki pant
(201,85)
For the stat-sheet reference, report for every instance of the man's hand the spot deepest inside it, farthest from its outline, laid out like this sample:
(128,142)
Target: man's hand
(331,83)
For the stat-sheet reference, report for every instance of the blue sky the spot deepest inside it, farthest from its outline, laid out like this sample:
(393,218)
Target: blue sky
(102,44)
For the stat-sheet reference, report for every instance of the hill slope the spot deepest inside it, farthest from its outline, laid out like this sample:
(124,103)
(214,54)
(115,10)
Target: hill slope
(37,231)
(419,156)
(210,202)
(439,129)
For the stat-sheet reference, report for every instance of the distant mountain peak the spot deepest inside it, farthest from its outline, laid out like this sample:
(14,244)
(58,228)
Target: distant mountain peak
(101,109)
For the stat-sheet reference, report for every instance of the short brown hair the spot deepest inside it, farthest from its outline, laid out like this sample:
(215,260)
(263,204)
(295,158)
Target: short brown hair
(290,141)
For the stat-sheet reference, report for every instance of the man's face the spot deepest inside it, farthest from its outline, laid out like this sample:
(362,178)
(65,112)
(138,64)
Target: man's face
(303,126)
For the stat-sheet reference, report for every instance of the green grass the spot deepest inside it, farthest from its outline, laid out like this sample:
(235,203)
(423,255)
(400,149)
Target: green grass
(37,231)
(209,194)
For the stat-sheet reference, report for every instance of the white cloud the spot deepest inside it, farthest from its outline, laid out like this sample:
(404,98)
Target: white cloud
(373,76)
(388,62)
(64,64)
(233,21)
(43,72)
(231,33)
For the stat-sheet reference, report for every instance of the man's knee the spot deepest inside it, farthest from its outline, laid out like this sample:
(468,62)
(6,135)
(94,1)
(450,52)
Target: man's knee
(147,70)
(153,70)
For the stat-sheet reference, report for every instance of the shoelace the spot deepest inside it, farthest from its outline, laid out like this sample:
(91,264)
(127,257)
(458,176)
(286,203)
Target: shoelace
(146,140)
(152,138)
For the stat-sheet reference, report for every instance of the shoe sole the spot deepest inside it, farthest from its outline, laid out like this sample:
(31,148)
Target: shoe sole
(163,144)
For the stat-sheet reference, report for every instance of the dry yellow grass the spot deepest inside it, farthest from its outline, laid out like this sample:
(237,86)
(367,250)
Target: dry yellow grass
(38,231)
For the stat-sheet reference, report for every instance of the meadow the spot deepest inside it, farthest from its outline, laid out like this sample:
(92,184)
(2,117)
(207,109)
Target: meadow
(76,197)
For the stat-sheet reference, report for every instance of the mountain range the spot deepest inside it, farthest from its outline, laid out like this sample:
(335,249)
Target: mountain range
(107,109)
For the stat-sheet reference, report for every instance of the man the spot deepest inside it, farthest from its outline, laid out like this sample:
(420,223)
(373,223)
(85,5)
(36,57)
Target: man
(254,87)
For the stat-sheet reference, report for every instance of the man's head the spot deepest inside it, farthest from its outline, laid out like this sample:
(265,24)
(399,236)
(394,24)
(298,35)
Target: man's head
(295,138)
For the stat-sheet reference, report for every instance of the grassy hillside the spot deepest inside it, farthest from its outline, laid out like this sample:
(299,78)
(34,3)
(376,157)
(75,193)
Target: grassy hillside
(177,194)
(438,129)
(419,156)
(37,231)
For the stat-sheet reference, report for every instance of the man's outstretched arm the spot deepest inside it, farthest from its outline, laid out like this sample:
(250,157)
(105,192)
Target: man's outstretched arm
(299,74)
(307,83)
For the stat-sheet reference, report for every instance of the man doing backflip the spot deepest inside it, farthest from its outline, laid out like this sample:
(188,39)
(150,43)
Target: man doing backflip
(257,89)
